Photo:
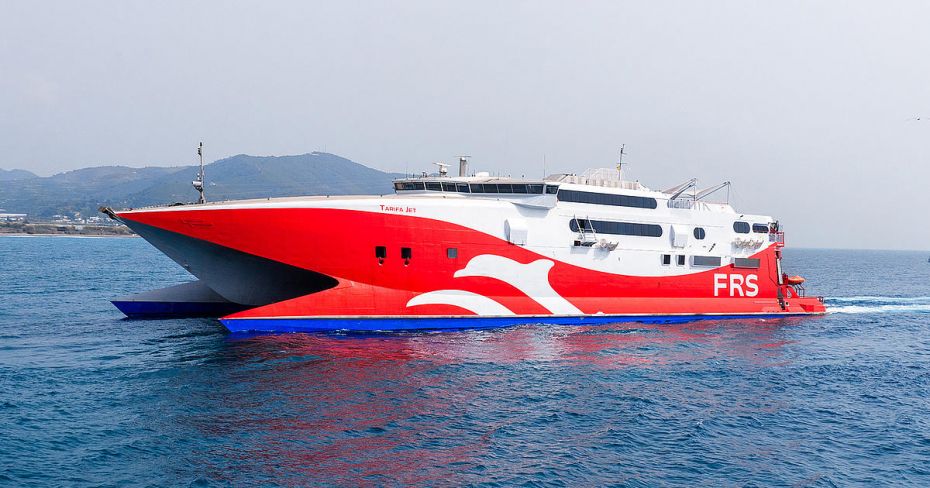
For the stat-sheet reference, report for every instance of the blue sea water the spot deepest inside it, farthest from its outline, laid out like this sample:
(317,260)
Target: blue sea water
(89,398)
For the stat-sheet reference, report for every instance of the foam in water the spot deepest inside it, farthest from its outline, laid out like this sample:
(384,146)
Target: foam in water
(877,304)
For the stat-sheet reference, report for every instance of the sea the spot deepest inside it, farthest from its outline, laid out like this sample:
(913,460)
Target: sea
(89,398)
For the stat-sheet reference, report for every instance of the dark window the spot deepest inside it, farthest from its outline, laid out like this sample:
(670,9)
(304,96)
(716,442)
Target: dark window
(418,185)
(462,187)
(448,187)
(745,263)
(536,189)
(699,233)
(551,190)
(607,199)
(398,186)
(434,185)
(616,228)
(380,252)
(760,228)
(741,227)
(666,259)
(705,260)
(405,253)
(407,185)
(452,252)
(681,259)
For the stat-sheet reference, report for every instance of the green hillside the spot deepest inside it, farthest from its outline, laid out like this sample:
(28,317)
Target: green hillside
(238,177)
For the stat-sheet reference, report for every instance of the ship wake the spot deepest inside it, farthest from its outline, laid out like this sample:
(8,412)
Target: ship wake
(877,305)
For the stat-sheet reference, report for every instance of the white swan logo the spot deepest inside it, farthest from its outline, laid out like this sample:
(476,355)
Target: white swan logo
(531,279)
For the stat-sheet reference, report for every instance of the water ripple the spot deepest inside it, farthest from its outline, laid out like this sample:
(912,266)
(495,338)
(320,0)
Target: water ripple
(89,398)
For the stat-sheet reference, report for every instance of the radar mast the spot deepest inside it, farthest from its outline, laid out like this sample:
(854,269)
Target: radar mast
(198,183)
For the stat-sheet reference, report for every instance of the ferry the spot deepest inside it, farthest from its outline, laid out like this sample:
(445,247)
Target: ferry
(470,251)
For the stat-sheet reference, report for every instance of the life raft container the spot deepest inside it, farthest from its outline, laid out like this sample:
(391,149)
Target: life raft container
(793,280)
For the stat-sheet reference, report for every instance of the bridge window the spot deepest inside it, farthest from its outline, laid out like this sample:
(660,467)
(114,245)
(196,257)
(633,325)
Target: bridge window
(606,199)
(462,187)
(616,228)
(434,186)
(760,228)
(535,189)
(699,233)
(741,227)
(409,185)
(711,261)
(552,189)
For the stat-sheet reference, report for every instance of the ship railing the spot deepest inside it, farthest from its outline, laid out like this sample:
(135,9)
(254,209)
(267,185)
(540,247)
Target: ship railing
(778,238)
(585,238)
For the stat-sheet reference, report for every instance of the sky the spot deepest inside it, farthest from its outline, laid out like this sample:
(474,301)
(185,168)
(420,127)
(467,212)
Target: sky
(808,108)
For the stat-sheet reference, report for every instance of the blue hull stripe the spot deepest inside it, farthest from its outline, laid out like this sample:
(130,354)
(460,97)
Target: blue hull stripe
(308,324)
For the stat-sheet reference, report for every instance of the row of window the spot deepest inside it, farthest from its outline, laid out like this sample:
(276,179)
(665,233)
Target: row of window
(606,199)
(744,228)
(406,254)
(710,261)
(616,228)
(451,186)
(667,259)
(649,230)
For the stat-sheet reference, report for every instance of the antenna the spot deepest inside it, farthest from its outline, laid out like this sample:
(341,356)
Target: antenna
(198,183)
(463,165)
(620,163)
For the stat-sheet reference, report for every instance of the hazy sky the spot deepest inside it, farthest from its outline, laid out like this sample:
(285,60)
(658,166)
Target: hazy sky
(803,105)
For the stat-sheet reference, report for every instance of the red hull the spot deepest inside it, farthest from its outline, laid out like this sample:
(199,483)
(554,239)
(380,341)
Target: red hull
(473,282)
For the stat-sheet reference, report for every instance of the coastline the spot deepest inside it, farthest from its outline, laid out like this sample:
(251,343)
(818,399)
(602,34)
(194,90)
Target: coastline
(77,236)
(55,229)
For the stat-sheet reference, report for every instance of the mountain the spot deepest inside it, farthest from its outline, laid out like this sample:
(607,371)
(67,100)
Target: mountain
(16,174)
(237,177)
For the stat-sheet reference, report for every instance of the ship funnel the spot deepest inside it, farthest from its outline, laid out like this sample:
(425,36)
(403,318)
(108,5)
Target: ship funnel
(463,165)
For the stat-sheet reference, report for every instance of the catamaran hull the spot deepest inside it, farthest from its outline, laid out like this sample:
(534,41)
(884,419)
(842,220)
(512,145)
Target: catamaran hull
(292,269)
